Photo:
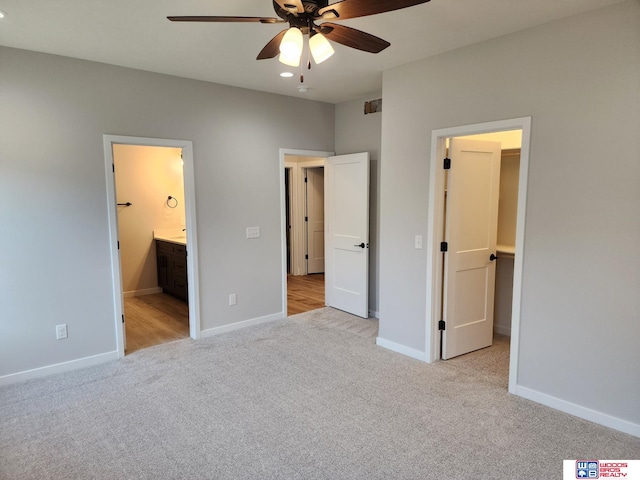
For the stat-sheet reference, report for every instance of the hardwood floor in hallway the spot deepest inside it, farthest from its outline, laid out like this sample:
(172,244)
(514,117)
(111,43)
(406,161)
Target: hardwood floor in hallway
(154,319)
(304,293)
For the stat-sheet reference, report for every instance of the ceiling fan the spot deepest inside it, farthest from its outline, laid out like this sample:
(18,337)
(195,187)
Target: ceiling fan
(301,15)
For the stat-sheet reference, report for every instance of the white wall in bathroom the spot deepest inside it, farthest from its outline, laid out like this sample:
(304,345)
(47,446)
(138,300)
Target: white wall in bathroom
(146,177)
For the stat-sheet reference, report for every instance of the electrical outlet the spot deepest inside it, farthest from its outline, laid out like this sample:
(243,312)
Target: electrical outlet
(418,242)
(233,299)
(253,232)
(61,331)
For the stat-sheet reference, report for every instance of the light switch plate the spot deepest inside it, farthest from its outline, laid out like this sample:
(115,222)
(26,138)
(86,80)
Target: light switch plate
(418,242)
(253,232)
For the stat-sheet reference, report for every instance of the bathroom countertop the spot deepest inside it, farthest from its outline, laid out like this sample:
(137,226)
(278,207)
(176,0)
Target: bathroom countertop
(171,235)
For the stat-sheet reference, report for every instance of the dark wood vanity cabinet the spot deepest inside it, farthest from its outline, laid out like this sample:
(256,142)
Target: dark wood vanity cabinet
(172,268)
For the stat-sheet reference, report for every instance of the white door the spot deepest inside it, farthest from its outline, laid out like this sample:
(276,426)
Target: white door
(315,220)
(470,232)
(347,233)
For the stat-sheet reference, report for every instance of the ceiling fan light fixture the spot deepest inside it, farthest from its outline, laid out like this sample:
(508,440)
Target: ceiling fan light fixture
(286,74)
(301,16)
(291,44)
(320,48)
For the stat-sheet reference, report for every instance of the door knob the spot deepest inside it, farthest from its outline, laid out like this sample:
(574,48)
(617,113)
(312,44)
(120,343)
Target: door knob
(361,245)
(493,257)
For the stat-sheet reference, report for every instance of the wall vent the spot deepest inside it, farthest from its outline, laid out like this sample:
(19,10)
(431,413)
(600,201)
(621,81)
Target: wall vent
(373,106)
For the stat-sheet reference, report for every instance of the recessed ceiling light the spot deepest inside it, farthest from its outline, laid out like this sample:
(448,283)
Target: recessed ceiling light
(3,14)
(286,74)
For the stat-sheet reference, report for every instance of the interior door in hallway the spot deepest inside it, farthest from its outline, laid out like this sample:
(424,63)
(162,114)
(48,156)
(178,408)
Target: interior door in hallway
(470,232)
(315,219)
(347,233)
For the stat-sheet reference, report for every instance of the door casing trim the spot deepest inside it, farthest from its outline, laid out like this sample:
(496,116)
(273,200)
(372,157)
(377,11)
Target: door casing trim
(436,233)
(190,217)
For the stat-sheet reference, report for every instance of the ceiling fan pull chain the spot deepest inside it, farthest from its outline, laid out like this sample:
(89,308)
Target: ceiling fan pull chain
(311,32)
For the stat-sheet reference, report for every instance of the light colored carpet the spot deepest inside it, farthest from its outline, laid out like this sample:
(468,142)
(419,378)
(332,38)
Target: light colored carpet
(309,397)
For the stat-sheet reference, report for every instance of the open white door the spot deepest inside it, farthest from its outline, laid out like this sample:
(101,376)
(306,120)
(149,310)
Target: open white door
(470,232)
(347,233)
(315,219)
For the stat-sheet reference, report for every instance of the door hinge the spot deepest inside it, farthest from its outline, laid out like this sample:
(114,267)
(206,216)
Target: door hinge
(305,179)
(441,325)
(447,164)
(113,167)
(122,318)
(306,257)
(444,246)
(306,219)
(118,244)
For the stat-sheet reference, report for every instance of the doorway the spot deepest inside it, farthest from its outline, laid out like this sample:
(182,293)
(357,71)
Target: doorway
(436,224)
(304,230)
(158,225)
(346,229)
(149,188)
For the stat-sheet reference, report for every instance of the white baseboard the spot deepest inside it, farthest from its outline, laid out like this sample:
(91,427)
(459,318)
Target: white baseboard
(139,293)
(58,368)
(374,314)
(579,411)
(210,332)
(502,330)
(404,350)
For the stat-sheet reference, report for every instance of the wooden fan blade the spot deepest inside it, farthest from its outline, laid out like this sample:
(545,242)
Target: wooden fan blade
(353,38)
(226,19)
(293,6)
(272,48)
(361,8)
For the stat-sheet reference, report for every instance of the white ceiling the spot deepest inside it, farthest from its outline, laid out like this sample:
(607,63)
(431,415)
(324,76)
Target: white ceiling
(137,34)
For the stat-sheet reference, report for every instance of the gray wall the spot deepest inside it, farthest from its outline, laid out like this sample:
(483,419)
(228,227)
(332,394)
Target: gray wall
(579,80)
(55,267)
(356,132)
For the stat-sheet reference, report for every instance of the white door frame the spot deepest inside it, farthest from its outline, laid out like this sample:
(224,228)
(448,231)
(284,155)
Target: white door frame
(283,215)
(190,217)
(436,234)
